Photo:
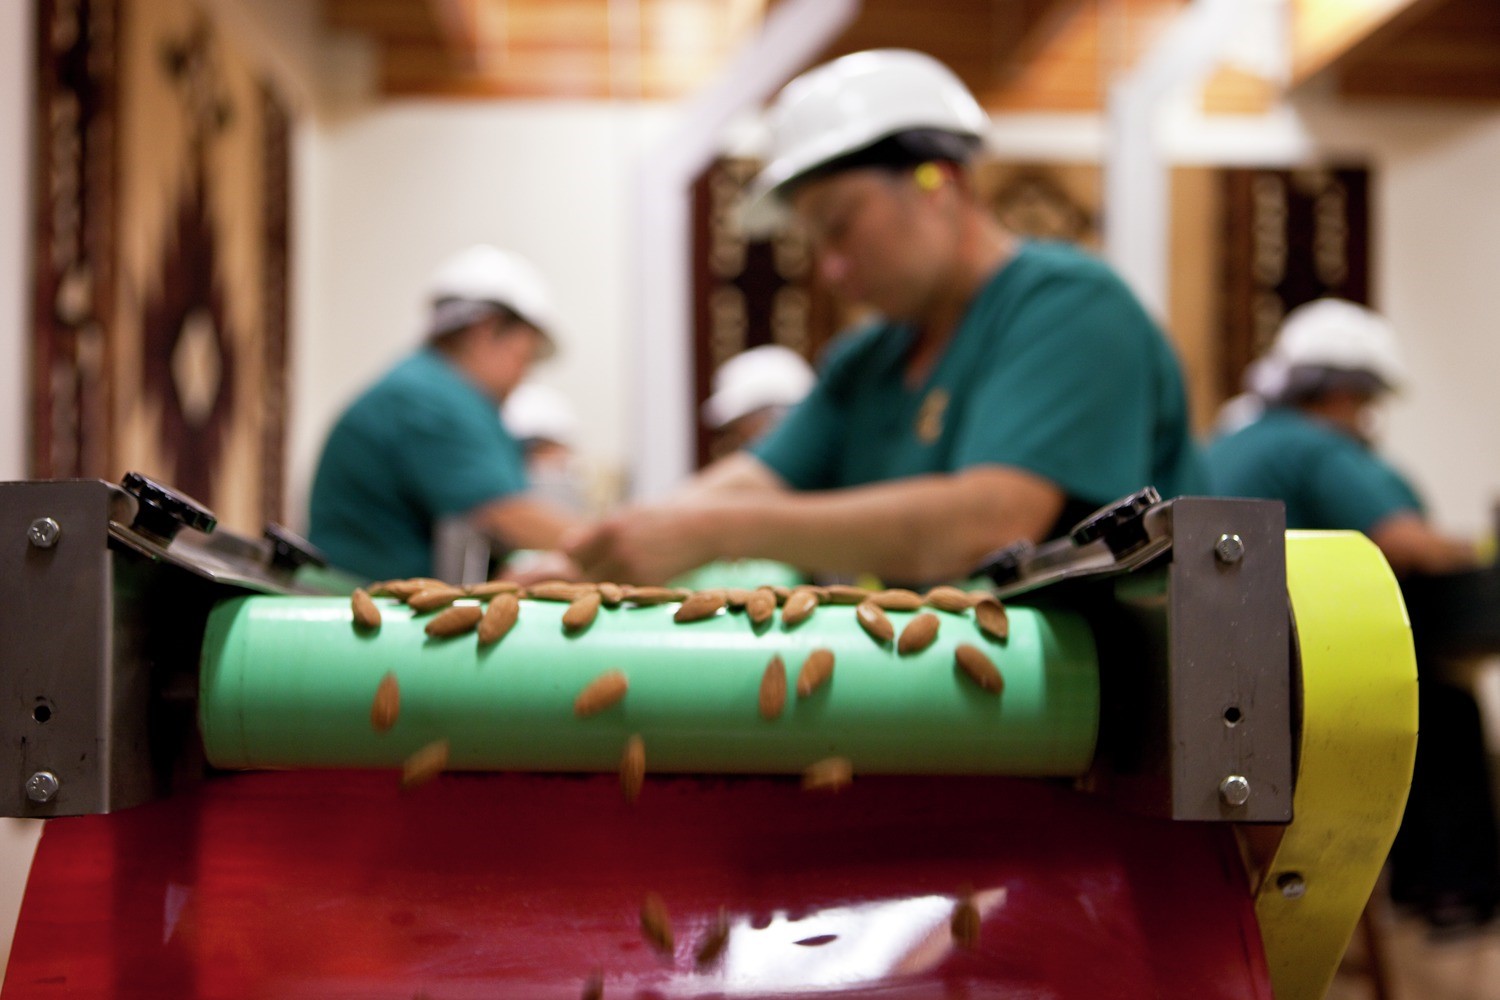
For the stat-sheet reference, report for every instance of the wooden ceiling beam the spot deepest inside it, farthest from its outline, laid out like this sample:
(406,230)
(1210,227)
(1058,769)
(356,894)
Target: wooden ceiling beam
(1342,33)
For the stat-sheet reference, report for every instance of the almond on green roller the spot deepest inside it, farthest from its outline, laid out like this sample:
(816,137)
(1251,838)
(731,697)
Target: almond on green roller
(918,634)
(366,614)
(457,620)
(499,618)
(874,621)
(601,693)
(773,689)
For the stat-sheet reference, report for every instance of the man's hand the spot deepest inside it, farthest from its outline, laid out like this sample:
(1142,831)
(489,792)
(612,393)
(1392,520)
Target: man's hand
(641,545)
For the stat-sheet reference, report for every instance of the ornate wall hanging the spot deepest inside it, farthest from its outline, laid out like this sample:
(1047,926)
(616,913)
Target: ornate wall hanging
(161,256)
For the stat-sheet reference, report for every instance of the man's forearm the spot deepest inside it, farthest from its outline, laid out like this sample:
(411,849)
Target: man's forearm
(524,523)
(923,528)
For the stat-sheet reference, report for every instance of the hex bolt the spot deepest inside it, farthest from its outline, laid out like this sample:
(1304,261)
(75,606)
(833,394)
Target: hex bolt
(1235,790)
(1292,885)
(43,532)
(41,786)
(1229,549)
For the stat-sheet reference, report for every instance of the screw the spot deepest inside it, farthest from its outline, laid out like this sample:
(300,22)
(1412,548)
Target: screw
(41,786)
(1229,549)
(43,532)
(1291,884)
(1235,790)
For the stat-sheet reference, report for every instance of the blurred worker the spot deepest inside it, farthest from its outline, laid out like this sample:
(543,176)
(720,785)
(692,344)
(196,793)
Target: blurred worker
(1009,388)
(753,391)
(543,421)
(1332,362)
(426,442)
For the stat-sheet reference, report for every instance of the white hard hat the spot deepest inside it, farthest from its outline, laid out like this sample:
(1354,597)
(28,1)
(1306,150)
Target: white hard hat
(848,104)
(536,412)
(482,277)
(760,377)
(1337,335)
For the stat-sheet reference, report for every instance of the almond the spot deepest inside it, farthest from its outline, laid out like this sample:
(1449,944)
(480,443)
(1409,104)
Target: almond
(773,689)
(781,592)
(701,605)
(633,768)
(918,634)
(401,590)
(431,598)
(498,618)
(828,775)
(387,704)
(457,620)
(950,599)
(838,593)
(656,925)
(366,614)
(603,692)
(582,612)
(651,595)
(816,670)
(712,945)
(800,604)
(964,923)
(425,764)
(992,619)
(761,605)
(874,621)
(611,594)
(979,668)
(736,597)
(558,590)
(897,599)
(492,588)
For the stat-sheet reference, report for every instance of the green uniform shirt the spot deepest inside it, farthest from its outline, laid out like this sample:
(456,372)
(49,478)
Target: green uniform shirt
(423,443)
(1055,369)
(1327,479)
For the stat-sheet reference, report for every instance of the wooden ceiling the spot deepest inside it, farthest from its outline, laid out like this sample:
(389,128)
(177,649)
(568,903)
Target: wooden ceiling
(1032,55)
(1413,49)
(1054,55)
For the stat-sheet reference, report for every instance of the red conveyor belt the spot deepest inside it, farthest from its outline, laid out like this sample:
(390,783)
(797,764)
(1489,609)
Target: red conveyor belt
(338,885)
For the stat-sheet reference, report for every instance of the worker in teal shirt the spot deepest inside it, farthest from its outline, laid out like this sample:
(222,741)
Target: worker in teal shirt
(1331,363)
(426,441)
(1007,389)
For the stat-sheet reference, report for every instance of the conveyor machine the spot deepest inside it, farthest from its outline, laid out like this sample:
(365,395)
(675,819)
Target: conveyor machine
(1178,778)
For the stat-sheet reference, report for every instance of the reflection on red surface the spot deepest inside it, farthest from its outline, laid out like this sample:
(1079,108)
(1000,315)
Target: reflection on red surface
(333,885)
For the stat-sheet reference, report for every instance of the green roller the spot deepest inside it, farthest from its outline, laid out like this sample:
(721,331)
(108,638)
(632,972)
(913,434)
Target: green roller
(288,682)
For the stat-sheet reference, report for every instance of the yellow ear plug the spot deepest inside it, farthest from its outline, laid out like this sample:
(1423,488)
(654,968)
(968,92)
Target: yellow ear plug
(929,176)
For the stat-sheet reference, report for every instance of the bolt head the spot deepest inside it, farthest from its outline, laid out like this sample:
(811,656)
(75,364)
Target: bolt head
(1235,790)
(41,786)
(1229,549)
(43,532)
(1292,885)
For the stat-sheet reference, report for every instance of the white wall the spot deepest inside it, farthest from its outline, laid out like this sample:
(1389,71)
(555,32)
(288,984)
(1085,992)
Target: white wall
(1437,213)
(385,194)
(16,37)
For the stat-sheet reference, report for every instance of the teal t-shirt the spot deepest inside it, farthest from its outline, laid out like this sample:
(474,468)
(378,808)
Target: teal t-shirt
(1327,479)
(421,444)
(1055,369)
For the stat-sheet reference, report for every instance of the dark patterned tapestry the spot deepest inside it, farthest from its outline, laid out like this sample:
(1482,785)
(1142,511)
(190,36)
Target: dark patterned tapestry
(161,256)
(1293,236)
